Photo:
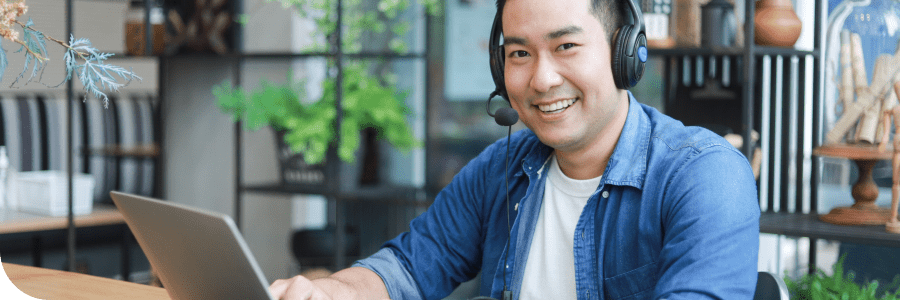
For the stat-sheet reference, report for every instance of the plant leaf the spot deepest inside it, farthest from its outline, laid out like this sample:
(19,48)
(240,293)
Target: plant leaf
(3,62)
(34,41)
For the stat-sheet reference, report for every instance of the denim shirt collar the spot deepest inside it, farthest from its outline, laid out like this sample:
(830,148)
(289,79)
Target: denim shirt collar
(628,164)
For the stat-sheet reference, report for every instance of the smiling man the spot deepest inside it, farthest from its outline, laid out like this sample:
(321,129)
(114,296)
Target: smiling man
(608,198)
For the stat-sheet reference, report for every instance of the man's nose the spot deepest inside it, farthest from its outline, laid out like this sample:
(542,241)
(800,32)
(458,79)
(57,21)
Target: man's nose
(545,75)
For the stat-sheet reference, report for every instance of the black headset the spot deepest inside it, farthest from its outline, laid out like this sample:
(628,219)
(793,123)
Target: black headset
(629,52)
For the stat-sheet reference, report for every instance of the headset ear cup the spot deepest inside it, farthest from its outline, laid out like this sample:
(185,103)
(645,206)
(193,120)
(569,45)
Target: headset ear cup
(636,71)
(619,59)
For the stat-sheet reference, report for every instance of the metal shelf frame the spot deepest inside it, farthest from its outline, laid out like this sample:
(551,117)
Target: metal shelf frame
(400,195)
(758,104)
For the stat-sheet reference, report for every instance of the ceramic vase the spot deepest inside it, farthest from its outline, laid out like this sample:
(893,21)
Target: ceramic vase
(776,23)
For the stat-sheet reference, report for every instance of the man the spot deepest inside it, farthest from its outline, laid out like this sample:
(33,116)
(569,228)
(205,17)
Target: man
(609,199)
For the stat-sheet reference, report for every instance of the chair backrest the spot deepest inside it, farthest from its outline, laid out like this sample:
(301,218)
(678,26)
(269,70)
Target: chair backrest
(770,287)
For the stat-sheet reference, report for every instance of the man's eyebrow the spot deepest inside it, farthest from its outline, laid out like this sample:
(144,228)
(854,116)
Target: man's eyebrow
(572,29)
(514,40)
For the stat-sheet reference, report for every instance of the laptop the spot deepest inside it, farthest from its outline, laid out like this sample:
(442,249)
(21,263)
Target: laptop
(196,254)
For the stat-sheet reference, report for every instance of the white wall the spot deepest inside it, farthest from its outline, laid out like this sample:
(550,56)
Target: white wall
(200,156)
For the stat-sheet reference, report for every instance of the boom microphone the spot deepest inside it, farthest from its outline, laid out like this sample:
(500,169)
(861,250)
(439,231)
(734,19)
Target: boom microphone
(505,116)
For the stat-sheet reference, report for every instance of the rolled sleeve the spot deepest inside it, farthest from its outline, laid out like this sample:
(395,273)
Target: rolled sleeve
(444,245)
(398,281)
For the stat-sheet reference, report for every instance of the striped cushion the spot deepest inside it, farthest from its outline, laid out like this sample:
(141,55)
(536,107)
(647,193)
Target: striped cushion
(128,165)
(146,137)
(100,132)
(135,130)
(33,128)
(22,130)
(56,133)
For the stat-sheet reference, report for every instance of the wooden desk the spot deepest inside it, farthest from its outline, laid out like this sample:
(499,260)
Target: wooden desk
(23,223)
(53,284)
(16,221)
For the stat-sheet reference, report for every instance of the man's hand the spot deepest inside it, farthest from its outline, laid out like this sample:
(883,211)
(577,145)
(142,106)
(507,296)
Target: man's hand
(297,288)
(352,283)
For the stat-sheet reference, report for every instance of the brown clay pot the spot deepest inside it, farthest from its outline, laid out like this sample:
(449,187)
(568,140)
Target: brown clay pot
(776,23)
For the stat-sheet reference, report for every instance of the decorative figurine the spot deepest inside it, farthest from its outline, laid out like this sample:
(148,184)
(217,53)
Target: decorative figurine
(893,225)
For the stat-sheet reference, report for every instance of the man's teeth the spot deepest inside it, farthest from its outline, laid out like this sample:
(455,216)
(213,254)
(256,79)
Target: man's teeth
(559,105)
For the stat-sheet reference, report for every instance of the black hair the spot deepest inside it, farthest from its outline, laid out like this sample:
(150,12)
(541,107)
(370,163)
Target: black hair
(610,13)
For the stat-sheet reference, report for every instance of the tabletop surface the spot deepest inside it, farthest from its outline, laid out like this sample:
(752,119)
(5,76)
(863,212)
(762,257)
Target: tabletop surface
(12,221)
(50,284)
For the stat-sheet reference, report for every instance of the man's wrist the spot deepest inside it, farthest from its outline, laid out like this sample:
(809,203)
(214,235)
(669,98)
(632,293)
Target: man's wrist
(347,285)
(336,288)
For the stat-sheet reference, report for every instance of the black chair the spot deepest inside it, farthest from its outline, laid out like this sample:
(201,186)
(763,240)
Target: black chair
(770,287)
(315,248)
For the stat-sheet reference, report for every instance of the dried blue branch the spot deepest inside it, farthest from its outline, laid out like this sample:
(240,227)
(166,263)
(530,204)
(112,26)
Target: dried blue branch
(95,74)
(35,41)
(3,62)
(94,70)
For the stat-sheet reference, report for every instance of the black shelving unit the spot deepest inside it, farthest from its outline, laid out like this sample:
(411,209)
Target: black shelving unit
(754,108)
(386,194)
(398,195)
(71,228)
(784,212)
(809,225)
(731,51)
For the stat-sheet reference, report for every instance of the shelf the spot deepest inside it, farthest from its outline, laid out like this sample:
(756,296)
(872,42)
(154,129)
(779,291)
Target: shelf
(695,51)
(122,55)
(808,225)
(732,51)
(283,55)
(387,194)
(150,150)
(763,50)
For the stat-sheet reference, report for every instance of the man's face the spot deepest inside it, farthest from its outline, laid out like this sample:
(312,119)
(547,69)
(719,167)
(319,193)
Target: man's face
(557,70)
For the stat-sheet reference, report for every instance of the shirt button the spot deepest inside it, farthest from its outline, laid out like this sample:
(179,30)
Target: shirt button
(582,234)
(605,194)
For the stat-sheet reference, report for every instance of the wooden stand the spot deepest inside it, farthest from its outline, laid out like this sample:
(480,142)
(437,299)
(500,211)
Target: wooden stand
(863,211)
(892,227)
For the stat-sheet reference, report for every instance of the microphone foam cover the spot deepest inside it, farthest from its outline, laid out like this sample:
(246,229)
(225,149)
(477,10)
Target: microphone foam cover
(506,116)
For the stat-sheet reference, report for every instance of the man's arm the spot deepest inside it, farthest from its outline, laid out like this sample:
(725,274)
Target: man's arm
(352,283)
(711,224)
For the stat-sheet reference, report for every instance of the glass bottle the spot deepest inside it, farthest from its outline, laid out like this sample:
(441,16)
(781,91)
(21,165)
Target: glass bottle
(135,35)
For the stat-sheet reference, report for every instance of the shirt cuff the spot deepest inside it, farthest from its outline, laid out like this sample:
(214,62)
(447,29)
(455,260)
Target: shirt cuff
(397,279)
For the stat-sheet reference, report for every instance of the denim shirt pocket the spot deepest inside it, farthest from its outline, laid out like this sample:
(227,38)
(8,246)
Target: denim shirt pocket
(635,284)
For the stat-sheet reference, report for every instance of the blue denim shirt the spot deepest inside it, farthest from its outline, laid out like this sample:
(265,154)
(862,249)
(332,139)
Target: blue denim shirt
(674,217)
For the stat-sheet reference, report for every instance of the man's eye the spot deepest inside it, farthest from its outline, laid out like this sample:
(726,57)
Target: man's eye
(566,46)
(518,53)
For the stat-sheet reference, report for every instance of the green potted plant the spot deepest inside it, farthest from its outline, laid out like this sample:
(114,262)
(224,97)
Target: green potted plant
(308,129)
(838,286)
(370,102)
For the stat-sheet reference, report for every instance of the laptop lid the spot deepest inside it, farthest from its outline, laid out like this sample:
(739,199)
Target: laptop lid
(196,254)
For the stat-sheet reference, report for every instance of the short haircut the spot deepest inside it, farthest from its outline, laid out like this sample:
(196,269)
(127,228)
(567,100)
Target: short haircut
(609,12)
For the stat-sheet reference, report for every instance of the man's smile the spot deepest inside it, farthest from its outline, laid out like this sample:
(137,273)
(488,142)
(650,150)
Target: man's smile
(557,107)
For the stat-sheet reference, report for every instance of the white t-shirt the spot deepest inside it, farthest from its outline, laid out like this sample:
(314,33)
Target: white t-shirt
(550,269)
